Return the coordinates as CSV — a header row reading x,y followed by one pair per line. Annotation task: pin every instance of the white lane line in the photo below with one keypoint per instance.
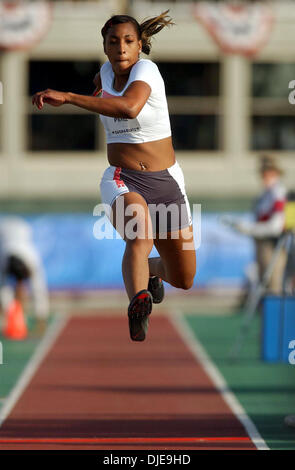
x,y
42,349
201,355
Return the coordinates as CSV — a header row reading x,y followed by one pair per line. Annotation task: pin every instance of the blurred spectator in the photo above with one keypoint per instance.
x,y
290,267
20,264
269,223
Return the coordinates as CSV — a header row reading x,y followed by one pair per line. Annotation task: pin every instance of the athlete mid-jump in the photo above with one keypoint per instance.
x,y
143,172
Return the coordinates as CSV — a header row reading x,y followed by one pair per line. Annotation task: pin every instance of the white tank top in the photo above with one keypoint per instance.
x,y
152,123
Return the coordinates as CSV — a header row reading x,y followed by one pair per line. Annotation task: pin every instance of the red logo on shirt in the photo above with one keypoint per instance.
x,y
117,179
105,94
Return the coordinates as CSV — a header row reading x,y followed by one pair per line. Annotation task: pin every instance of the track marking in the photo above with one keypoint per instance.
x,y
42,349
121,440
202,357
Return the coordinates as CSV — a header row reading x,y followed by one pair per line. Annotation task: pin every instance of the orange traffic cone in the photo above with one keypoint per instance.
x,y
15,325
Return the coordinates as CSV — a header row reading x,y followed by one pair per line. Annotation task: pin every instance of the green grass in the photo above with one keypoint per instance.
x,y
266,391
16,355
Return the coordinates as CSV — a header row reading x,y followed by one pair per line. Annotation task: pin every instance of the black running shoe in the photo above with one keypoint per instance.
x,y
139,310
156,288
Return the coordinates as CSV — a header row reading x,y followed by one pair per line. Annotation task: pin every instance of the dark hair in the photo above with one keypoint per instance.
x,y
16,267
145,30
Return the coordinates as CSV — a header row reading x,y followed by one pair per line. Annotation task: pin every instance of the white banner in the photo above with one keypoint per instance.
x,y
236,28
23,23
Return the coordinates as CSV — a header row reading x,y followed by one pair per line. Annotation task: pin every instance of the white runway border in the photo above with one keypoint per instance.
x,y
41,351
200,354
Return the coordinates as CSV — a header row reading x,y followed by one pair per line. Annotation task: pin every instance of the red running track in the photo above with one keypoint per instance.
x,y
98,390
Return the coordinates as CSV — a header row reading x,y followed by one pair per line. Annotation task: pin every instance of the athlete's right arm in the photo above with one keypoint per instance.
x,y
127,106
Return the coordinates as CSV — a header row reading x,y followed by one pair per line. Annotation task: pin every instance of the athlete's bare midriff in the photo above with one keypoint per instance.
x,y
148,156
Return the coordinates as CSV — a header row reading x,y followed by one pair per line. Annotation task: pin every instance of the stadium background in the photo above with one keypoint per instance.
x,y
226,110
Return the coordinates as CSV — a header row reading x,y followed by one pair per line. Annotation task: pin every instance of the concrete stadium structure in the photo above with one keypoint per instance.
x,y
228,170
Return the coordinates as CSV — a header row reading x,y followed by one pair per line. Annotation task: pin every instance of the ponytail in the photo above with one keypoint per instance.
x,y
153,26
145,30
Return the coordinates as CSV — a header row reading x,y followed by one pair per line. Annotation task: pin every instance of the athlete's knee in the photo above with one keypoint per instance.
x,y
184,282
184,279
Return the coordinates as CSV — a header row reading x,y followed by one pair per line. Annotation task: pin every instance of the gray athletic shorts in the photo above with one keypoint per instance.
x,y
163,191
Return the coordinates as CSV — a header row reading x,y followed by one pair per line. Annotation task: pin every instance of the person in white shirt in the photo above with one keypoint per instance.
x,y
21,265
143,172
269,215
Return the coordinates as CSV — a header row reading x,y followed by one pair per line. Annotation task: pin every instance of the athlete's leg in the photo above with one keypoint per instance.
x,y
135,266
177,261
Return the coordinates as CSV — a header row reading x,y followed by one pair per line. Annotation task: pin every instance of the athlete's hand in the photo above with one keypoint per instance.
x,y
52,97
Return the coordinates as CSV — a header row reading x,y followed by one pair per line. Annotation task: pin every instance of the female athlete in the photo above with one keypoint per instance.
x,y
143,177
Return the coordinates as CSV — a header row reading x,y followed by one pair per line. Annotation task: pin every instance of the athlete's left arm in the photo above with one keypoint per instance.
x,y
127,106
